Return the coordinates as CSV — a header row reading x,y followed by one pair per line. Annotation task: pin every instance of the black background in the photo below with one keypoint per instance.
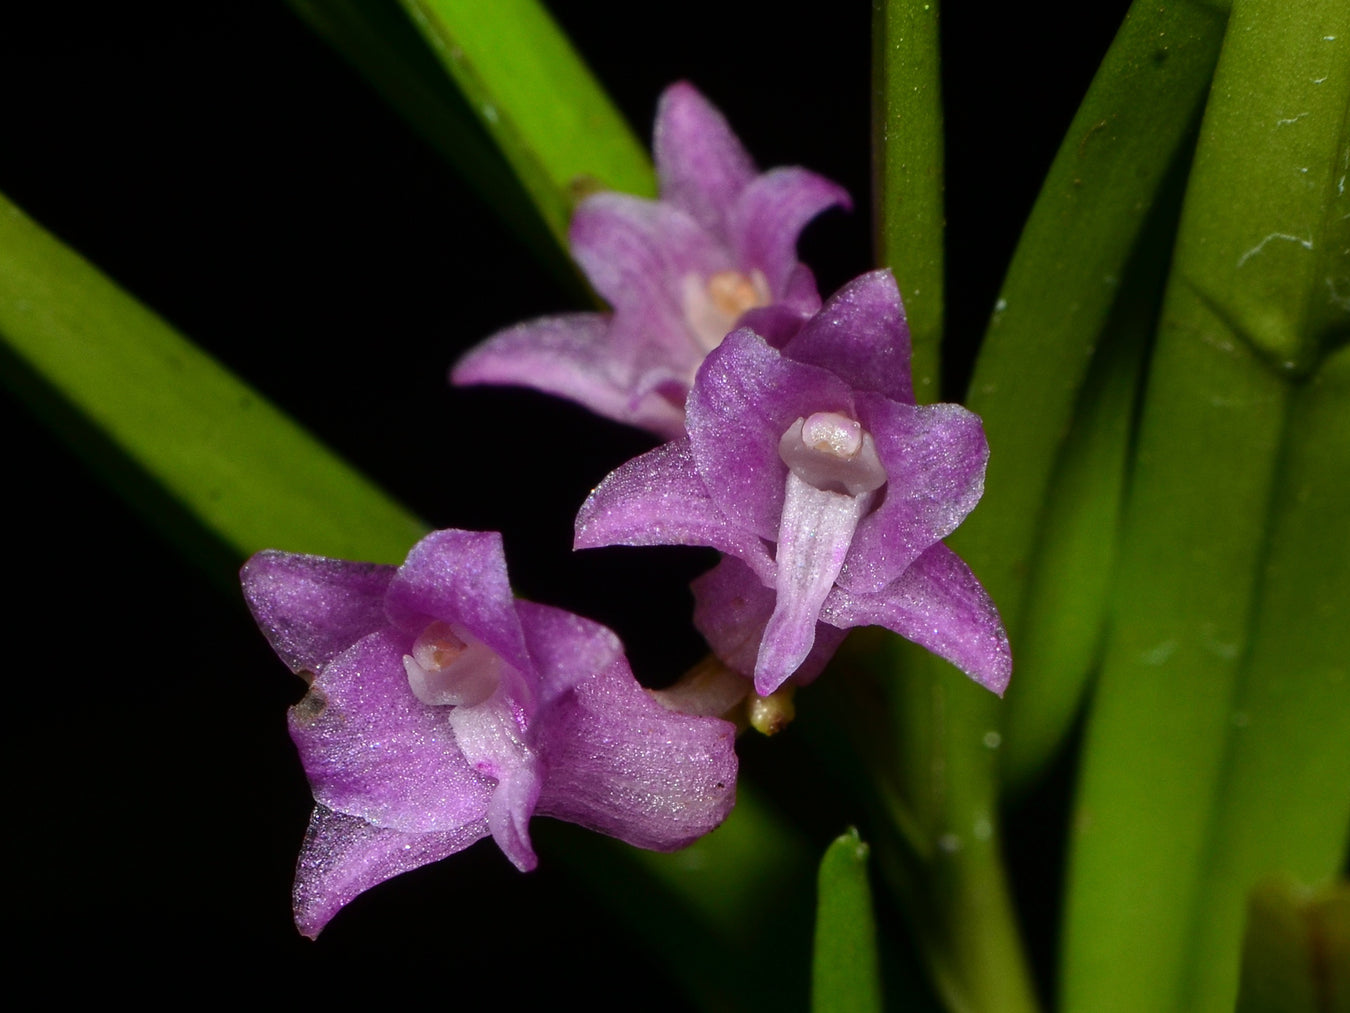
x,y
228,169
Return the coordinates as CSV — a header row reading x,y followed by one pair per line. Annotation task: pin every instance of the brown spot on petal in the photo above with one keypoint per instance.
x,y
310,708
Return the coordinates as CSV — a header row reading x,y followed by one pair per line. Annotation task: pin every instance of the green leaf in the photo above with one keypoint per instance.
x,y
907,166
191,441
1135,122
845,976
1219,745
538,101
1296,949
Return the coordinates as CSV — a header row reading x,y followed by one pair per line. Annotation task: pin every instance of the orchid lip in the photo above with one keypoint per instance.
x,y
449,666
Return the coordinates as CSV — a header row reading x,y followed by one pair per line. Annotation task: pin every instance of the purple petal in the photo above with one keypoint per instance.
x,y
934,456
621,764
460,577
636,252
701,166
566,648
813,540
861,334
492,737
373,750
732,607
746,396
938,604
770,215
344,856
311,608
571,356
659,499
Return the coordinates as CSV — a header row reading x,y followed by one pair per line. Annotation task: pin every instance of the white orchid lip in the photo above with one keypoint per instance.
x,y
450,667
712,305
833,453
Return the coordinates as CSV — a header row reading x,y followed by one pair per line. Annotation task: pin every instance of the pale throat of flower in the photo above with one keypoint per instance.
x,y
833,475
713,304
450,667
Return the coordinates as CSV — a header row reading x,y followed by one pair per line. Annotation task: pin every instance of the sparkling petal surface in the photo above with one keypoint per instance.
x,y
813,539
621,764
373,750
344,856
635,252
700,164
770,215
746,397
935,455
861,334
570,356
460,577
660,499
311,608
732,607
940,605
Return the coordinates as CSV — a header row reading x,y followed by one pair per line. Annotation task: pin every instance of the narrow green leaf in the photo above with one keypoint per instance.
x,y
250,477
530,89
1217,750
1135,122
1296,949
845,976
907,166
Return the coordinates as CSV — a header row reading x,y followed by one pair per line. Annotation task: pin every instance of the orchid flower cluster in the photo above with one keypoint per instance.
x,y
442,710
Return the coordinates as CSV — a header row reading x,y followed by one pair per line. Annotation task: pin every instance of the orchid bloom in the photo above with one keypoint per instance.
x,y
829,491
718,249
443,710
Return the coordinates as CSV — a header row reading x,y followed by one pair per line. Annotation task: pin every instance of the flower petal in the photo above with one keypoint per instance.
x,y
862,335
571,356
659,499
635,253
770,215
373,750
310,607
492,737
813,540
940,605
566,648
344,856
621,764
731,609
934,456
460,577
746,397
701,165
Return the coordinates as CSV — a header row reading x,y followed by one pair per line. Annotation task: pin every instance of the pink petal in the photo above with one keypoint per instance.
x,y
310,607
374,751
938,604
770,215
659,499
861,334
571,356
621,764
701,165
344,856
934,456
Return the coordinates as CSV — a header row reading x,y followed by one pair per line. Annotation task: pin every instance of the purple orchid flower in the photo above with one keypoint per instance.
x,y
828,489
443,710
717,250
